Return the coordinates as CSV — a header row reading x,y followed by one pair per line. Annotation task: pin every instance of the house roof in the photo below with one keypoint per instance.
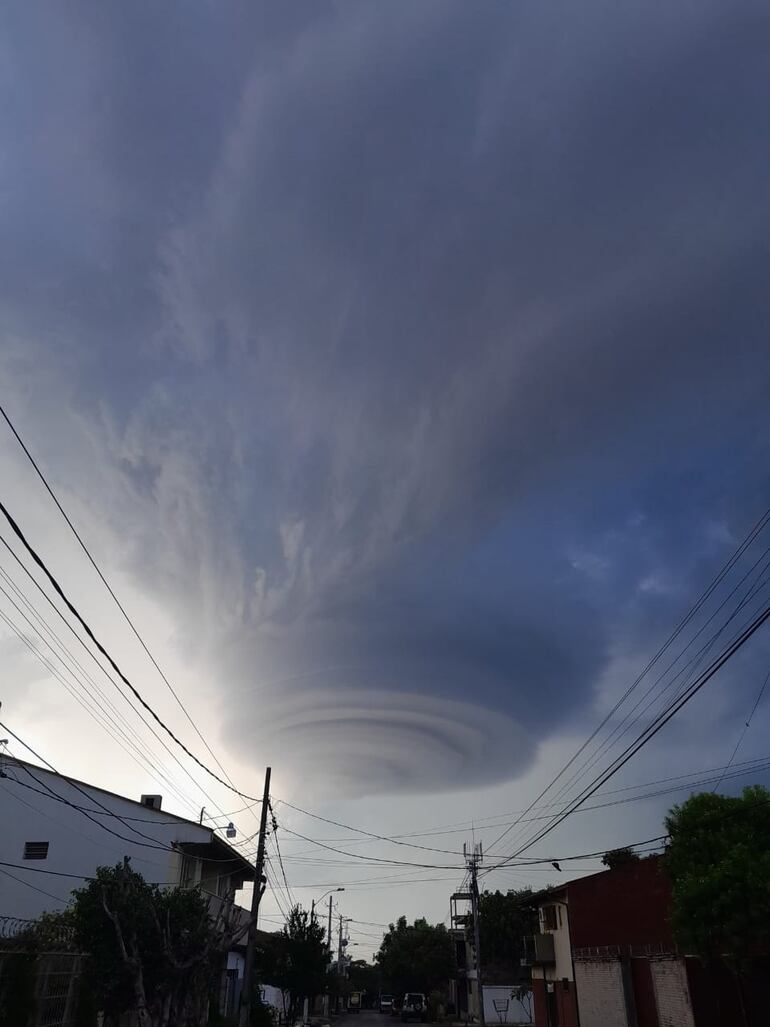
x,y
215,848
561,891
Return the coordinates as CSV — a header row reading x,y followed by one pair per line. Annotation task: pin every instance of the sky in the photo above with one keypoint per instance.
x,y
404,368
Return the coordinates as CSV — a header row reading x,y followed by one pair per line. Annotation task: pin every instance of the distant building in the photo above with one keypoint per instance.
x,y
500,1004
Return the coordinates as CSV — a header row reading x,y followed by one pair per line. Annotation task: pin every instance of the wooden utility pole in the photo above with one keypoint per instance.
x,y
251,944
473,865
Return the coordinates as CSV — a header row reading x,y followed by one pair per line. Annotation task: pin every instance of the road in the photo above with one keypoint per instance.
x,y
367,1018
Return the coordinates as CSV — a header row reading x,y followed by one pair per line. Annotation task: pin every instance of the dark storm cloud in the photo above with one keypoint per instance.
x,y
395,318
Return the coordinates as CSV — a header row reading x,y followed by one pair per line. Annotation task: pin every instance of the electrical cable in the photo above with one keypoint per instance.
x,y
99,714
369,834
656,726
278,850
74,784
696,661
702,599
744,730
692,666
137,695
34,887
106,584
623,727
110,678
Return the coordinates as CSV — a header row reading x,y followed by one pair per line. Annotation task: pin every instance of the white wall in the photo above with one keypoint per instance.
x,y
672,992
517,1012
76,844
600,993
561,944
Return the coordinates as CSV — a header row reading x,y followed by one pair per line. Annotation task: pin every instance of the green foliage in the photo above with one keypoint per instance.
x,y
261,1014
619,857
523,993
416,958
298,960
718,860
364,977
168,936
17,988
504,920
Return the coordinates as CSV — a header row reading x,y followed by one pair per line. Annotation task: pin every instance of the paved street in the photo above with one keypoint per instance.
x,y
367,1018
370,1019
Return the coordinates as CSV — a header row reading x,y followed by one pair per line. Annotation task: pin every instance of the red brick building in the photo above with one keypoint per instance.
x,y
605,957
610,960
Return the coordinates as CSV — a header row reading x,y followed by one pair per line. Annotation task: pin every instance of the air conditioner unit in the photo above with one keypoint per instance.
x,y
152,801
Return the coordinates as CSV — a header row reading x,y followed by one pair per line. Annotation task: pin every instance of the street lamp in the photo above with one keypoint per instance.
x,y
312,907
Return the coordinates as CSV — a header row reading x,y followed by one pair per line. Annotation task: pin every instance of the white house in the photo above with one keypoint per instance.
x,y
53,826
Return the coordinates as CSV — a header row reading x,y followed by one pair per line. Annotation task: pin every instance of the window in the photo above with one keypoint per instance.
x,y
35,850
549,918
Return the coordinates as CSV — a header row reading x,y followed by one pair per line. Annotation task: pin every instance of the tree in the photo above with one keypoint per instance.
x,y
504,920
298,961
718,860
152,952
619,857
417,957
365,978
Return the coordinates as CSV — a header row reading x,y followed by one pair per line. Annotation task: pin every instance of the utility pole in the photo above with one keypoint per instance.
x,y
251,944
327,1000
473,861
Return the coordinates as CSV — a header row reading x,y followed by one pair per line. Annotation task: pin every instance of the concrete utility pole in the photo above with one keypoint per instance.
x,y
251,944
329,929
473,861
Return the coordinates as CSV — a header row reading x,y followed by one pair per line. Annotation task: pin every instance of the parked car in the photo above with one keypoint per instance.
x,y
414,1007
386,1003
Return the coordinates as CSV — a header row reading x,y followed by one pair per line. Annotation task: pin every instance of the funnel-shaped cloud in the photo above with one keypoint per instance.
x,y
413,356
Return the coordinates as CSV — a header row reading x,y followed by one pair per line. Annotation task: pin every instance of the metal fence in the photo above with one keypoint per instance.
x,y
39,983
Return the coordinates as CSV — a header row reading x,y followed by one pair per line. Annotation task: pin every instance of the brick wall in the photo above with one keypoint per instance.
x,y
600,992
626,906
672,995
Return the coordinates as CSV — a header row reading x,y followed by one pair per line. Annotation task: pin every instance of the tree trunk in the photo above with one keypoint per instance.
x,y
741,997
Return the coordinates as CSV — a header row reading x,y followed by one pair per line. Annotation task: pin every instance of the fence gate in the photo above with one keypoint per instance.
x,y
41,988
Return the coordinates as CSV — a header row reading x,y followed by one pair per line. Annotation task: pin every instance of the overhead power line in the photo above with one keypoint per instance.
x,y
28,884
109,588
369,834
648,700
657,725
135,692
56,797
746,727
280,857
156,769
99,707
755,531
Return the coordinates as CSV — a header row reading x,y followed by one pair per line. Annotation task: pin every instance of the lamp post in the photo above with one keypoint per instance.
x,y
330,892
